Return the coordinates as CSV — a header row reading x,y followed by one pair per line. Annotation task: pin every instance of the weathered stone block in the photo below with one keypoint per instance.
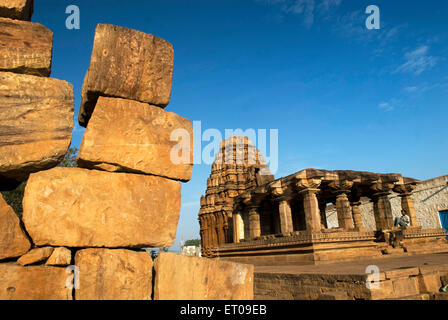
x,y
127,64
130,136
113,275
402,273
36,122
13,241
60,257
429,283
75,207
405,287
17,9
25,47
180,277
36,255
33,283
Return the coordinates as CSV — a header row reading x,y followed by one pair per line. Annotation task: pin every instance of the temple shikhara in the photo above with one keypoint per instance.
x,y
310,217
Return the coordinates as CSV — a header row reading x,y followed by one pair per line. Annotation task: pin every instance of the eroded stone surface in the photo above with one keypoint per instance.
x,y
60,257
120,274
33,283
25,47
130,136
13,241
180,277
128,64
36,255
36,122
17,9
75,207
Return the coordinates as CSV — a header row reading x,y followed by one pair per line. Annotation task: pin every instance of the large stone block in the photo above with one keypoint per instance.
x,y
180,277
25,47
33,283
106,274
36,122
17,9
130,136
128,64
73,207
13,241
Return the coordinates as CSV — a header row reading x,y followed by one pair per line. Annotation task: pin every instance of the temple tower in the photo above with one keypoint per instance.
x,y
238,167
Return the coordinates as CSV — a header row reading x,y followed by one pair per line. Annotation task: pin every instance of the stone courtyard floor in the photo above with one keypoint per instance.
x,y
359,266
412,277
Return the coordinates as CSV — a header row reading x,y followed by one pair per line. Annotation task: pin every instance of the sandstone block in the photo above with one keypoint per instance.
x,y
60,257
429,283
36,255
25,47
128,64
405,287
130,136
13,241
73,207
33,283
402,273
17,9
180,277
36,122
106,274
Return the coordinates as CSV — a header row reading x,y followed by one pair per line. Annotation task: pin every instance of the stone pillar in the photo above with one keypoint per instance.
x,y
344,211
323,214
382,210
213,234
408,204
342,187
220,229
357,218
238,227
311,208
254,222
209,234
285,217
308,189
203,224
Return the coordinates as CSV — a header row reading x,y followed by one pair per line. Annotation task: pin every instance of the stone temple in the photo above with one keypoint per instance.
x,y
249,217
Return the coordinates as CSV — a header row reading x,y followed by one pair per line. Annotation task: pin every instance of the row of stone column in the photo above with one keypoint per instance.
x,y
348,212
214,229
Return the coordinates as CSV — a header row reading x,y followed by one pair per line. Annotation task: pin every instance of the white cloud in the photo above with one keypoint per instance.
x,y
411,89
417,61
386,106
307,9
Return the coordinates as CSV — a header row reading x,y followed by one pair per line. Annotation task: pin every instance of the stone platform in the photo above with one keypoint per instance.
x,y
333,246
416,277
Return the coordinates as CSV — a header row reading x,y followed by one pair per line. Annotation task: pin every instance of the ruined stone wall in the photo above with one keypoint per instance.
x,y
125,192
430,197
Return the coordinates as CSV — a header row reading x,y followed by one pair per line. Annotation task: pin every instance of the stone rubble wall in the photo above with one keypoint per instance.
x,y
83,229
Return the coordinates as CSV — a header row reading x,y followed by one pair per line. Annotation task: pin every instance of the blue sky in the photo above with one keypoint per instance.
x,y
340,95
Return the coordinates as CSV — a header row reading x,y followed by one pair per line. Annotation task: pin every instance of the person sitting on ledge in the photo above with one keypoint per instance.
x,y
403,221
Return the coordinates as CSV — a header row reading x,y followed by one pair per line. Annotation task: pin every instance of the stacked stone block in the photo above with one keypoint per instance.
x,y
36,112
36,122
123,197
